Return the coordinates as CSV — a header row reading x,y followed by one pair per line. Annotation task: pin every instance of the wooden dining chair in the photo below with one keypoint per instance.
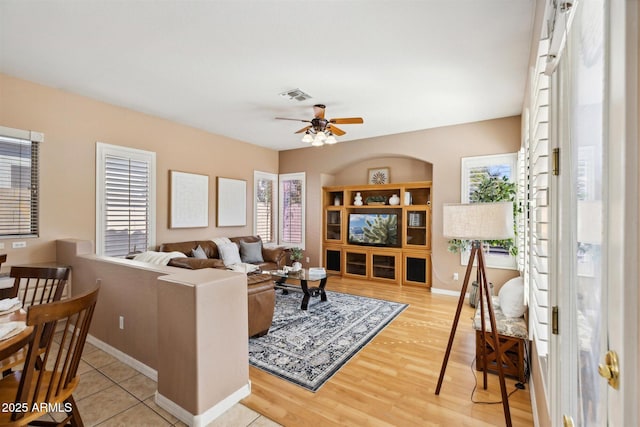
x,y
37,391
33,285
37,285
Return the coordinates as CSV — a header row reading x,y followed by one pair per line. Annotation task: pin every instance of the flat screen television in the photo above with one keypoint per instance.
x,y
373,229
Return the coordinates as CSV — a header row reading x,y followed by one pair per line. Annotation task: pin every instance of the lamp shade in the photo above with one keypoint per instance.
x,y
478,221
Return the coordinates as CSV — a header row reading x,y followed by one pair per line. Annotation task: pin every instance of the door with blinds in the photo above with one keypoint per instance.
x,y
292,209
595,383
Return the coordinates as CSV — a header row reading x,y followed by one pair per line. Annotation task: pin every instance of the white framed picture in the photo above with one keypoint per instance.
x,y
189,200
378,176
232,202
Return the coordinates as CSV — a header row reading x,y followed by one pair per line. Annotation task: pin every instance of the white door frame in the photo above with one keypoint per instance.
x,y
622,223
621,231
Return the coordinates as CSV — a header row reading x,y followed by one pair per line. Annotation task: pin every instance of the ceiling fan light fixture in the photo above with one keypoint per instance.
x,y
321,136
331,139
318,141
307,137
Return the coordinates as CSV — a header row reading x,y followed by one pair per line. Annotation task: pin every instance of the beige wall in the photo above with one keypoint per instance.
x,y
442,148
73,124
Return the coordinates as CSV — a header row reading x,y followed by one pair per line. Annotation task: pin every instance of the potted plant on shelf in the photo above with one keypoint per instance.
x,y
296,257
491,189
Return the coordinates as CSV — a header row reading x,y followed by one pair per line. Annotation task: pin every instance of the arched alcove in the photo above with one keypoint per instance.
x,y
402,169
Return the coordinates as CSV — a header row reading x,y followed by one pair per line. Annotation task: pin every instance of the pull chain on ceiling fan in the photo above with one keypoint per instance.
x,y
322,131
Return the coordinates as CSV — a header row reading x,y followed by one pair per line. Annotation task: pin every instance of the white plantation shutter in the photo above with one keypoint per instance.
x,y
126,212
19,184
537,274
265,203
292,206
523,234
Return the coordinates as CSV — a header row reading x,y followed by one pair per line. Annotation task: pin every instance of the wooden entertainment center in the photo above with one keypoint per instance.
x,y
408,261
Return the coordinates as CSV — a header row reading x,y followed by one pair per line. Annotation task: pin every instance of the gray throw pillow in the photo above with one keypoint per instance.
x,y
251,252
199,253
229,254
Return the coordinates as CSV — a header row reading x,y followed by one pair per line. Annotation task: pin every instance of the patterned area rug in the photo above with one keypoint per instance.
x,y
308,347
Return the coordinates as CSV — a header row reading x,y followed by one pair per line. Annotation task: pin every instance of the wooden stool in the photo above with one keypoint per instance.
x,y
512,336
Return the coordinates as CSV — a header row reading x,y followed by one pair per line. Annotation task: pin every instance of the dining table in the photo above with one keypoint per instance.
x,y
10,348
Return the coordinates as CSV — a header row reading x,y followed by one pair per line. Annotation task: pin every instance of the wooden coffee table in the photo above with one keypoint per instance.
x,y
283,281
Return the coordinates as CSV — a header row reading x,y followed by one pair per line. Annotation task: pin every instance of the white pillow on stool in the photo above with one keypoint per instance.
x,y
511,298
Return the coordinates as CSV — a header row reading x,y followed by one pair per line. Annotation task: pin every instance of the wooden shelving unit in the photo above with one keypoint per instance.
x,y
407,263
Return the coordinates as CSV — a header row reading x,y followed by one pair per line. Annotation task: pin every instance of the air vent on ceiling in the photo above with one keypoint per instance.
x,y
296,94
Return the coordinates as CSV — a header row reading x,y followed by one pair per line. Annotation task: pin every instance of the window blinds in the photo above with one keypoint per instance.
x,y
292,211
126,215
264,209
19,187
538,202
292,202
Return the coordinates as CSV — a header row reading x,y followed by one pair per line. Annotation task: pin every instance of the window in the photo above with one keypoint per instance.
x,y
475,172
125,200
265,202
19,183
292,209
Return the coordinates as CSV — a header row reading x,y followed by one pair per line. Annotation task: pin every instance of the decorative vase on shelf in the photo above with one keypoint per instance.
x,y
394,200
357,200
296,266
336,201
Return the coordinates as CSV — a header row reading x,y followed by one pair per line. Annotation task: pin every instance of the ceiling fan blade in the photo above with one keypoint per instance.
x,y
295,120
304,129
336,130
318,111
348,121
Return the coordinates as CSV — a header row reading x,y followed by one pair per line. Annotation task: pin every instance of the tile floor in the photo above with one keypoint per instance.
x,y
111,393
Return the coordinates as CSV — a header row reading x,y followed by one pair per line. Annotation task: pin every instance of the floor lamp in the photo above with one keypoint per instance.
x,y
478,222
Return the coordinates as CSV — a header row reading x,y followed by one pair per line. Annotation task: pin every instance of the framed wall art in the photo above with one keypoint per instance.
x,y
232,202
378,176
189,200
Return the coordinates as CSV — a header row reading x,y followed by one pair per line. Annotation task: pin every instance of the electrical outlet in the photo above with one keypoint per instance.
x,y
121,322
455,276
1,245
18,245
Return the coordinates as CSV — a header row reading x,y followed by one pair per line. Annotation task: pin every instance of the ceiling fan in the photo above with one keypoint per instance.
x,y
323,129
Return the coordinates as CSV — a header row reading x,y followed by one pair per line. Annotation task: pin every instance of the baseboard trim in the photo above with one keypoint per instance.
x,y
124,358
447,292
210,414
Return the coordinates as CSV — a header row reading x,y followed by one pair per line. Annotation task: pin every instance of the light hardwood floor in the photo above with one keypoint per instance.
x,y
392,381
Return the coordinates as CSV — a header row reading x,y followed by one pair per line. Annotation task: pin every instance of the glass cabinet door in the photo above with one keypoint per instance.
x,y
356,263
385,266
333,225
417,228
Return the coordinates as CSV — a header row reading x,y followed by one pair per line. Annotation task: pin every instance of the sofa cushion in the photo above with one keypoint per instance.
x,y
199,253
209,247
251,252
196,263
229,253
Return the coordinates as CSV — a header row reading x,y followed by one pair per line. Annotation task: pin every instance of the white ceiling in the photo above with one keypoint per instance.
x,y
220,65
